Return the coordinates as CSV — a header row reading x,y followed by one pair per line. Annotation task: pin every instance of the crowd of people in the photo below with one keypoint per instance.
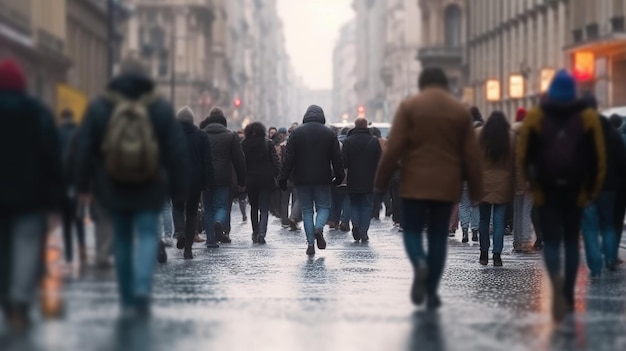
x,y
149,176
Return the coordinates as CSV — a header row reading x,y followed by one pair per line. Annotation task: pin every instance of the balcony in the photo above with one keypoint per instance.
x,y
440,55
17,14
49,41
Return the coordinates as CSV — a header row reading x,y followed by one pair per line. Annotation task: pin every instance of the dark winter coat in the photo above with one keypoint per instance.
x,y
615,156
68,140
172,146
310,151
31,178
361,154
227,153
200,175
262,162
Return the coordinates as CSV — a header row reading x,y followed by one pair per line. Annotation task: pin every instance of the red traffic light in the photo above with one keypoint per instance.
x,y
237,102
361,109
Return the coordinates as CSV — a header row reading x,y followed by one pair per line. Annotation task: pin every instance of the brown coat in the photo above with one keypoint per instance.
x,y
521,185
433,141
498,178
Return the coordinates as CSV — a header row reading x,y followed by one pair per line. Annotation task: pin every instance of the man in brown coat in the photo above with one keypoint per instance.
x,y
432,140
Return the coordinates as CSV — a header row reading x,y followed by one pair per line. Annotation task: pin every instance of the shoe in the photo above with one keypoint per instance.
x,y
187,254
162,255
508,230
332,224
538,245
168,242
180,243
497,260
219,232
344,227
612,266
262,240
198,239
418,289
285,225
255,238
319,237
484,258
433,302
365,238
293,225
244,219
212,246
559,307
475,235
451,233
465,236
310,250
356,234
225,239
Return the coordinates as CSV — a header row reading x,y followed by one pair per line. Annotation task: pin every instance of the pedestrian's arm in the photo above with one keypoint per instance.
x,y
174,152
288,159
396,147
337,161
275,162
239,161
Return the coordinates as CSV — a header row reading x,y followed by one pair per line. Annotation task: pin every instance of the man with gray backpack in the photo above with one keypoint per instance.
x,y
132,156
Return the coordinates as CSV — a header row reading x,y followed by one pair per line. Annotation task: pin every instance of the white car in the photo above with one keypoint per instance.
x,y
382,126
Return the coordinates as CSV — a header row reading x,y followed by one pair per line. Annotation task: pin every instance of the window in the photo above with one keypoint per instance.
x,y
452,22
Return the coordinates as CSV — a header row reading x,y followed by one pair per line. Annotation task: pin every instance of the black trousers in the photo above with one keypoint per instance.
x,y
71,219
619,214
185,216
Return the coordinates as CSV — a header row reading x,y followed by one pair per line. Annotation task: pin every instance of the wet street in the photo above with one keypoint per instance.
x,y
348,297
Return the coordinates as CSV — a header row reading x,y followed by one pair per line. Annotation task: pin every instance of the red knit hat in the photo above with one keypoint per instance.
x,y
12,76
520,115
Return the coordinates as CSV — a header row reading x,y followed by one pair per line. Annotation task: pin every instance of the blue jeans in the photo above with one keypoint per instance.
x,y
215,202
310,196
498,227
136,245
598,222
362,206
166,223
437,214
468,214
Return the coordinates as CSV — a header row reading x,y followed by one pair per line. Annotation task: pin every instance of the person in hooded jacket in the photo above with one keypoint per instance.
x,y
31,188
134,207
361,153
68,130
263,167
227,155
310,151
199,178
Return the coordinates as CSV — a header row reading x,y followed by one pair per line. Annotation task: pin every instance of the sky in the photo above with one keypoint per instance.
x,y
311,30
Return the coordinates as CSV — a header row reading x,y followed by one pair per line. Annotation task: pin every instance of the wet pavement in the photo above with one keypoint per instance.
x,y
348,297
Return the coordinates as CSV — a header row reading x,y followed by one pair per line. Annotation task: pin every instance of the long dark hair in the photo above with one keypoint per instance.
x,y
495,140
254,129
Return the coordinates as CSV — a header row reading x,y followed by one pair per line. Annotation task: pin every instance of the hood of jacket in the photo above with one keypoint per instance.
x,y
188,128
131,85
314,114
215,128
563,110
359,131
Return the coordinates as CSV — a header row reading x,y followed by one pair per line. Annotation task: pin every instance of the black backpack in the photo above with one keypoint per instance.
x,y
562,152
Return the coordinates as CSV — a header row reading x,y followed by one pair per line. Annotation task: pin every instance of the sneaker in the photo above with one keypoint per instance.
x,y
484,258
212,246
497,260
187,254
255,238
332,224
180,243
244,219
219,232
162,255
319,237
293,225
168,242
418,289
465,236
365,238
262,240
225,239
356,234
310,250
198,239
475,235
433,302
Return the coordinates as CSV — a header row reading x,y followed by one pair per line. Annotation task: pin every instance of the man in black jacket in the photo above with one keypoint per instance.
x,y
134,208
199,177
226,154
361,153
31,188
311,149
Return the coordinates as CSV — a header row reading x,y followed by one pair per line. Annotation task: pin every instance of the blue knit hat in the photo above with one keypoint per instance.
x,y
563,87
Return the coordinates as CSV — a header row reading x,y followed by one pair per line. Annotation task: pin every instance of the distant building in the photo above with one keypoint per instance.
x,y
344,75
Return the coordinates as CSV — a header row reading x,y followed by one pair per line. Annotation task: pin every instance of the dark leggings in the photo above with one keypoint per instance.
x,y
70,219
259,208
185,216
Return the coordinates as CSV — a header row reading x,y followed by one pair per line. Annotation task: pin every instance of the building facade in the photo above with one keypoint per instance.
x,y
596,48
345,103
443,37
401,67
371,38
514,47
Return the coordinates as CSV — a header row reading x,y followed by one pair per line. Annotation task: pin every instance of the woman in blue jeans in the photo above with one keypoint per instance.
x,y
496,145
262,166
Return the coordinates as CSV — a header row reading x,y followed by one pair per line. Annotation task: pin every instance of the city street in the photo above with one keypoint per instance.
x,y
350,296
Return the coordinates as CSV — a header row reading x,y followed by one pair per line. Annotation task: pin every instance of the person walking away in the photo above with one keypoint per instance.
x,y
130,144
386,198
522,202
32,189
263,170
469,215
242,198
496,144
432,140
290,215
227,155
361,154
598,217
310,151
68,130
620,193
562,154
199,178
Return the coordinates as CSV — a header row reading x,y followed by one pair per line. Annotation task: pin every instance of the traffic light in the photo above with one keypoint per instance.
x,y
361,110
237,102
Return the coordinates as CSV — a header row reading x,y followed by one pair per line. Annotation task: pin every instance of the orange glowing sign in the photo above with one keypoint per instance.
x,y
516,86
545,79
584,65
492,90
